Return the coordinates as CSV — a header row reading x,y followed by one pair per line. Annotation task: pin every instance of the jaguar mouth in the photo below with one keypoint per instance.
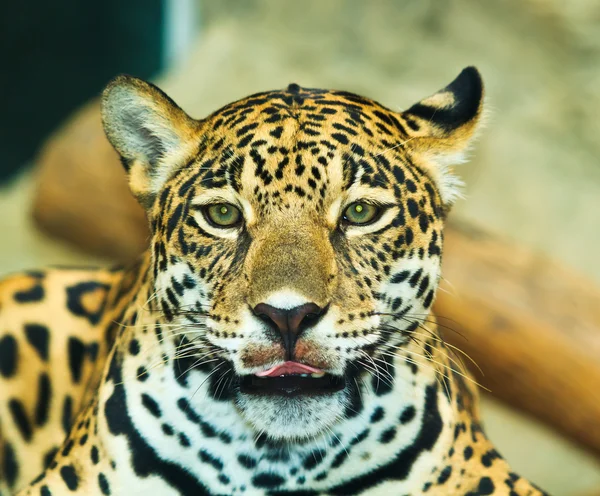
x,y
291,379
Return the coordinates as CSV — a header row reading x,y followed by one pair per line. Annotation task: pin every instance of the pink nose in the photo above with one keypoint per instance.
x,y
289,322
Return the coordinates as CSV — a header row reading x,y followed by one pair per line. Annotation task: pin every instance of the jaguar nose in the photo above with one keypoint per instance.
x,y
290,323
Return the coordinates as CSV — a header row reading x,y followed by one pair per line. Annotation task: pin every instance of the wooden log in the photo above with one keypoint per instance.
x,y
82,194
531,325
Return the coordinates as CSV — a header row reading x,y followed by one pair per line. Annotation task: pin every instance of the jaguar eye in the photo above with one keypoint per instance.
x,y
223,215
361,213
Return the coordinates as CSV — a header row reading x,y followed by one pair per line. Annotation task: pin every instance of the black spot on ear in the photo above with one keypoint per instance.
x,y
467,89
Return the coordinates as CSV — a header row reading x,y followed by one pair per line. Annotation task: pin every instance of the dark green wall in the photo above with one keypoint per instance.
x,y
58,54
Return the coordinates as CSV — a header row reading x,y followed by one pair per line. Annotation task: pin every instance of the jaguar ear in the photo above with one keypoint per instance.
x,y
442,126
150,132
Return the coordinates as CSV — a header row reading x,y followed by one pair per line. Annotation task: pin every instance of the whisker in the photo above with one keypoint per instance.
x,y
395,146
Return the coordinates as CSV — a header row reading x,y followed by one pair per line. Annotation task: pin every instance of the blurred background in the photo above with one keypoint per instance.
x,y
534,178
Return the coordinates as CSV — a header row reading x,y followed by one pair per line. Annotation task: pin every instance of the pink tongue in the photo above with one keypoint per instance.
x,y
288,368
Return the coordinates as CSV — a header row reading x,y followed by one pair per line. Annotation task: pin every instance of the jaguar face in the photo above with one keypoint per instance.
x,y
296,235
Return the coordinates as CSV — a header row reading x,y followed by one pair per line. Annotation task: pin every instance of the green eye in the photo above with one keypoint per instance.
x,y
223,215
361,213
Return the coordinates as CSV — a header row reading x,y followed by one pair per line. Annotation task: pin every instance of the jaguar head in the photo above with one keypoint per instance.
x,y
296,234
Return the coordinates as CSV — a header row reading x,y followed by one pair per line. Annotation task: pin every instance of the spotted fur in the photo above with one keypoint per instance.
x,y
127,381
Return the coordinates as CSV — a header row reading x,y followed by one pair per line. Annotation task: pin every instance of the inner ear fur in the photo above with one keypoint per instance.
x,y
150,132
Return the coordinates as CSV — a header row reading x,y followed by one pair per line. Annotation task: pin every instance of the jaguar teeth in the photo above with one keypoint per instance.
x,y
317,375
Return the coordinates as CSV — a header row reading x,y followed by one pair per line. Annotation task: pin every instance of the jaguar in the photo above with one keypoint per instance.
x,y
277,337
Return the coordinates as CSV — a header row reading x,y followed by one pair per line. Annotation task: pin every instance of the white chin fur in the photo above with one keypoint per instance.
x,y
295,418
